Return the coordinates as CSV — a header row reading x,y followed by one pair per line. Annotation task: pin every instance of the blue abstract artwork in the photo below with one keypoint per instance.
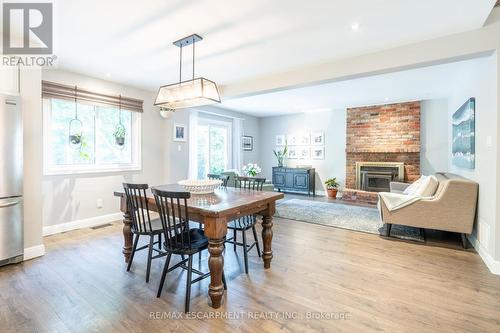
x,y
464,143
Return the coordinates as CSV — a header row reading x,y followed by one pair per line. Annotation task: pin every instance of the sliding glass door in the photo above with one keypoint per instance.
x,y
213,146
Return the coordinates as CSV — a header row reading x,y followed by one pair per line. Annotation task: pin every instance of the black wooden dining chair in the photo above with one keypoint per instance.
x,y
248,222
249,183
180,239
224,178
142,224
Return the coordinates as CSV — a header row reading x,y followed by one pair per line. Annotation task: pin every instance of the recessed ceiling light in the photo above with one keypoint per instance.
x,y
386,99
355,26
108,74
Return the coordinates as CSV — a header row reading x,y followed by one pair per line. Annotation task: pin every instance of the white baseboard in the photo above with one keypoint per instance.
x,y
492,264
34,252
79,224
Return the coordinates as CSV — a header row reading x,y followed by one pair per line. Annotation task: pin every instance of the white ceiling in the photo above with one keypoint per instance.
x,y
131,41
416,84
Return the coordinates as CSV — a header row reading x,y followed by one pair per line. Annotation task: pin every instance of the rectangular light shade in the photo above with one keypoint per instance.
x,y
197,92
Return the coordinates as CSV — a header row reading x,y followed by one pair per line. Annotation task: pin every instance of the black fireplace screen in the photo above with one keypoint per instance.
x,y
377,178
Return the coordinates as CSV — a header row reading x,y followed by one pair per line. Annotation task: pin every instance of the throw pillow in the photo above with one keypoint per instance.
x,y
428,187
412,189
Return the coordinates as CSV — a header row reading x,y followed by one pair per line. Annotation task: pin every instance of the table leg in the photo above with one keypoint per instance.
x,y
216,230
267,238
127,230
267,234
216,265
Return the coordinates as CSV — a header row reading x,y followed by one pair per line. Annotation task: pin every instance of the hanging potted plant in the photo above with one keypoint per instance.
x,y
75,126
332,187
75,139
280,155
119,135
120,131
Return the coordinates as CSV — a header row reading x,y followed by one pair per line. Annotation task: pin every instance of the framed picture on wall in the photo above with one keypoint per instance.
x,y
292,140
304,139
304,152
292,153
318,153
280,140
247,143
180,132
318,138
464,143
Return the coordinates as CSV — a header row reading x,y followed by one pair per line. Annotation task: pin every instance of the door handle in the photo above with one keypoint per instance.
x,y
9,203
10,102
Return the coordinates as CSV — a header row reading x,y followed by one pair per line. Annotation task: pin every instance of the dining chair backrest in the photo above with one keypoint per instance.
x,y
224,178
137,204
250,183
173,209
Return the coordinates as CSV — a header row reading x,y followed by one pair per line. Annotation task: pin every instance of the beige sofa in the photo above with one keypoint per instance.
x,y
452,208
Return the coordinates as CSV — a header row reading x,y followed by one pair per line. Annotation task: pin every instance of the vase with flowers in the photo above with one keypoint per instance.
x,y
251,169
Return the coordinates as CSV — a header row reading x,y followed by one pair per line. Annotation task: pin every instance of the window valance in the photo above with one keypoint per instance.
x,y
61,91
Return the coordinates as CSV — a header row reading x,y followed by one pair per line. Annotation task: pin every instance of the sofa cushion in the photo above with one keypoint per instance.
x,y
427,187
413,188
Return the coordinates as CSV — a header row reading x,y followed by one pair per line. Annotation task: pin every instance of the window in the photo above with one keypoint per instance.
x,y
213,146
97,149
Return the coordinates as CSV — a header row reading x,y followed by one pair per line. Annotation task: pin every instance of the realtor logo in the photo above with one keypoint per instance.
x,y
27,28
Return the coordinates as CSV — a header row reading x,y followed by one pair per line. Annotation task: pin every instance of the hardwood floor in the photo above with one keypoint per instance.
x,y
81,285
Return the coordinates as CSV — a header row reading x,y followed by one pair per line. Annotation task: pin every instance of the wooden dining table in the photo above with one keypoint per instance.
x,y
215,211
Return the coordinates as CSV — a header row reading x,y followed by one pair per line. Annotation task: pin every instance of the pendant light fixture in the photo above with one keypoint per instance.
x,y
184,94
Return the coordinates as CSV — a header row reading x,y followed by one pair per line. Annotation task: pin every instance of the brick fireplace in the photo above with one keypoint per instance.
x,y
383,133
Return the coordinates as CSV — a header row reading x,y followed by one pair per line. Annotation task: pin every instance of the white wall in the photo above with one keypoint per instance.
x,y
8,79
479,80
435,147
33,160
496,87
178,158
69,198
332,123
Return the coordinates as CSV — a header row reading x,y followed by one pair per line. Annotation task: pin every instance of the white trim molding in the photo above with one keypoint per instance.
x,y
79,224
34,252
492,264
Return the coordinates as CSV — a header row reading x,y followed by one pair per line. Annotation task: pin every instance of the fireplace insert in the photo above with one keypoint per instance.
x,y
377,176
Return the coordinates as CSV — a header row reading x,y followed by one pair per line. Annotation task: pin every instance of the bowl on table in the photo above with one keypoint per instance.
x,y
200,186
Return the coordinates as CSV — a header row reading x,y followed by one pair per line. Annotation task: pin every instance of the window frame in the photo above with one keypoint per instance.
x,y
210,122
50,169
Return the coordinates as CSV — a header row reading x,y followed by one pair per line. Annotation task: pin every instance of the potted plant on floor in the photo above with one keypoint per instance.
x,y
332,187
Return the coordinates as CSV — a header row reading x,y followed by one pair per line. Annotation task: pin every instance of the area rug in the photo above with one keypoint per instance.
x,y
344,216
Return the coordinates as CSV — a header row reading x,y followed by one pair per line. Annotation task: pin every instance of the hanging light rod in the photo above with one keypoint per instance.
x,y
184,94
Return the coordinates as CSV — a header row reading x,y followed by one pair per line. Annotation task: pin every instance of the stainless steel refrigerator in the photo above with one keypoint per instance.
x,y
11,180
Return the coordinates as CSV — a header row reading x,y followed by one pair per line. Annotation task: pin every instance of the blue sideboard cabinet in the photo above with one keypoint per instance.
x,y
298,180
